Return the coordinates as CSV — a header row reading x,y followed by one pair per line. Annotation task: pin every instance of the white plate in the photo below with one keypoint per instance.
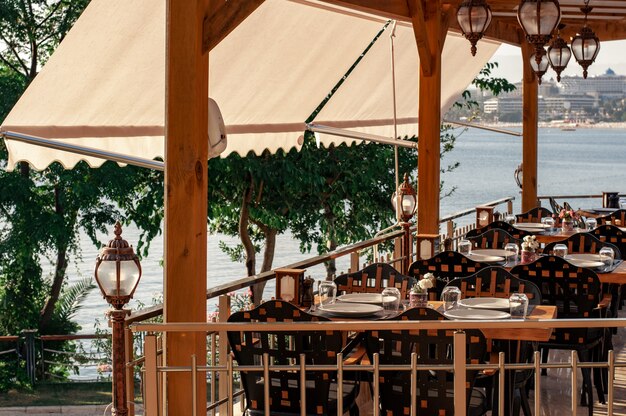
x,y
534,225
585,260
351,309
484,258
476,314
373,298
485,303
492,252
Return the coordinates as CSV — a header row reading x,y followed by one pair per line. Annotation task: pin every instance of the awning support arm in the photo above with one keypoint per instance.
x,y
318,128
86,151
481,127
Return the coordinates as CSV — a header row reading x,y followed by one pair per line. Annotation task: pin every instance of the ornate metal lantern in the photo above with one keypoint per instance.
x,y
117,270
585,45
539,68
559,55
474,17
406,197
539,18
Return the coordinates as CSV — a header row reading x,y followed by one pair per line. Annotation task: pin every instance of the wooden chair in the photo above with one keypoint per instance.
x,y
582,243
617,217
497,282
433,347
284,348
613,235
577,293
373,279
494,238
499,225
445,266
533,215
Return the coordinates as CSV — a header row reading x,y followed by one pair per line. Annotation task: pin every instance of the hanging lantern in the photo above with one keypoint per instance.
x,y
585,45
539,68
474,17
539,18
559,55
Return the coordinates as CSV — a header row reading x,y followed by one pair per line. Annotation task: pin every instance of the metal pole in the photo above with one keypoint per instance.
x,y
406,247
393,94
360,136
117,317
83,150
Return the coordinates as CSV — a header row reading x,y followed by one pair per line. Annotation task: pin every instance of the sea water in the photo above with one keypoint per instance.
x,y
585,161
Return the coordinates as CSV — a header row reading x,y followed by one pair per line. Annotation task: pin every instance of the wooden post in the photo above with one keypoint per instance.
x,y
186,155
129,371
530,112
429,15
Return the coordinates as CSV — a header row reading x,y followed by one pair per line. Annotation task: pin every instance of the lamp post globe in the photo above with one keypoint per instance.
x,y
406,197
117,270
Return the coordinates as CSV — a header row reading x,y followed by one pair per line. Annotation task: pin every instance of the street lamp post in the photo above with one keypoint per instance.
x,y
118,272
404,202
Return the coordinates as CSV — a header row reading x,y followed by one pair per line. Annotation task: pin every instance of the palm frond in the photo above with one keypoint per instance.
x,y
72,297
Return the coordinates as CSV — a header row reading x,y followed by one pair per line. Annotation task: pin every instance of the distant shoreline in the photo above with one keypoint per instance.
x,y
543,124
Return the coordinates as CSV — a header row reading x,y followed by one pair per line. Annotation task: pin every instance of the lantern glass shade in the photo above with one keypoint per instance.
x,y
539,17
474,17
585,48
108,278
559,55
540,67
404,200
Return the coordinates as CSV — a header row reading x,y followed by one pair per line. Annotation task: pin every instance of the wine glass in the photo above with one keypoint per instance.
x,y
560,250
465,247
450,296
327,293
391,300
549,221
518,304
591,224
512,251
606,256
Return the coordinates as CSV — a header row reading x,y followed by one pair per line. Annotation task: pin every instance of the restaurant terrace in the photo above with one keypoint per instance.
x,y
268,65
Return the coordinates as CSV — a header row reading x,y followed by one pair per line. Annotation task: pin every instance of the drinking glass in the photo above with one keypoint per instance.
x,y
606,256
512,250
391,300
518,304
465,247
327,293
509,219
560,250
549,221
450,296
591,224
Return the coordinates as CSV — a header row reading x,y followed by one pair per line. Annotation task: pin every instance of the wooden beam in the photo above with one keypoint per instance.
x,y
429,124
421,36
390,9
530,112
225,16
186,155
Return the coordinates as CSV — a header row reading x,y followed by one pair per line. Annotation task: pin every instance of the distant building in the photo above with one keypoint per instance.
x,y
609,85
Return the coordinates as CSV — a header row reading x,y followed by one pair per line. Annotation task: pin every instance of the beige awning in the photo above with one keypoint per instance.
x,y
104,87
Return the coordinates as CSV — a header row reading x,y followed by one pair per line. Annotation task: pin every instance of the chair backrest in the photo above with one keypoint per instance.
x,y
319,347
498,225
617,217
576,292
494,238
613,235
582,243
533,215
433,347
445,266
496,282
373,279
556,208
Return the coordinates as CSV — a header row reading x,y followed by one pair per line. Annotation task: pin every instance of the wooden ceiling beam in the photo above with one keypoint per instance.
x,y
223,18
391,9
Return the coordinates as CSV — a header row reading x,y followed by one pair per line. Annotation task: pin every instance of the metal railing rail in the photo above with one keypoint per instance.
x,y
458,367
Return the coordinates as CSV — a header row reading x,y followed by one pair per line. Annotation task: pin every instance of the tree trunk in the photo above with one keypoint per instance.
x,y
331,243
59,272
244,221
268,259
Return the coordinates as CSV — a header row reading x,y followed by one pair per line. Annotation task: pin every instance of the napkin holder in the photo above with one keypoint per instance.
x,y
289,285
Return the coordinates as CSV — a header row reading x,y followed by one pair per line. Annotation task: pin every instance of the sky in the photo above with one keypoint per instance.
x,y
612,55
